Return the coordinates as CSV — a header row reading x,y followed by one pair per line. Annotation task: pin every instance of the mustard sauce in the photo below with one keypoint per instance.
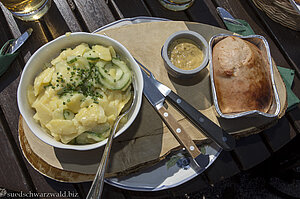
x,y
185,54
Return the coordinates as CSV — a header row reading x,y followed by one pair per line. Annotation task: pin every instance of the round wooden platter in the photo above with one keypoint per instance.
x,y
26,137
81,166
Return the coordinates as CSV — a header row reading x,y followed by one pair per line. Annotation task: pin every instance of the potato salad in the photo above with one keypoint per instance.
x,y
79,95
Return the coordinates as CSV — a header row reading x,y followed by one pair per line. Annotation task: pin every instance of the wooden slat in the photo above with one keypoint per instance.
x,y
278,135
223,167
204,12
14,70
11,22
68,15
51,186
55,23
294,114
157,10
10,167
136,8
9,106
5,35
287,40
296,86
93,17
294,118
250,151
13,28
11,74
10,109
95,13
284,161
36,40
55,29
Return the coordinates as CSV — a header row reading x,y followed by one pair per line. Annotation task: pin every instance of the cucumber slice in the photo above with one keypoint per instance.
x,y
90,137
105,76
114,84
126,86
72,141
114,71
81,139
120,64
112,52
119,74
101,63
117,85
68,115
102,129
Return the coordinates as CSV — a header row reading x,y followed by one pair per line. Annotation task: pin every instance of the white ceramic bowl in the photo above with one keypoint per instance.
x,y
51,50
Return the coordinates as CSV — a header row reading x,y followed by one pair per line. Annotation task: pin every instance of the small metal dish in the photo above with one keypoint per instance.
x,y
263,45
198,40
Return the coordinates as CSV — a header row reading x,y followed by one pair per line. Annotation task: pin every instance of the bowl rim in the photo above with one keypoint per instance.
x,y
181,34
49,139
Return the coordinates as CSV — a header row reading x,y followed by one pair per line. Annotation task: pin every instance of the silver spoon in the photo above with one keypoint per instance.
x,y
97,185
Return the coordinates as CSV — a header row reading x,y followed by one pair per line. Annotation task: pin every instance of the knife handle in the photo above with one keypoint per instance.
x,y
183,138
179,133
209,128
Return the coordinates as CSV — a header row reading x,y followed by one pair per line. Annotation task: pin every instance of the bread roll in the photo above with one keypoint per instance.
x,y
241,76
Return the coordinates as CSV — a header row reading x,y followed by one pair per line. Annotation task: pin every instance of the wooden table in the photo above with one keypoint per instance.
x,y
88,15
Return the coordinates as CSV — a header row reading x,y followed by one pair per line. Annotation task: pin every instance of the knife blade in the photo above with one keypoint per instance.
x,y
156,99
295,5
17,43
226,16
209,128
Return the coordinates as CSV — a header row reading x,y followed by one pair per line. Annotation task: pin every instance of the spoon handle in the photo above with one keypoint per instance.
x,y
97,185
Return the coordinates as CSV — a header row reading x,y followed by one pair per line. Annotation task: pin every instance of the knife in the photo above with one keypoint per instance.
x,y
226,16
156,99
295,5
162,92
17,43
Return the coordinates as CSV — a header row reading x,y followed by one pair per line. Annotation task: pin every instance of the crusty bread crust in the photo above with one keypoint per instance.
x,y
241,78
297,1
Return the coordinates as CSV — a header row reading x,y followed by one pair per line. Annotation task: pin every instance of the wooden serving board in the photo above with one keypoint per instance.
x,y
148,140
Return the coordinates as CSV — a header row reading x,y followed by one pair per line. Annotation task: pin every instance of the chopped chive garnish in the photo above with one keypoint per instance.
x,y
72,60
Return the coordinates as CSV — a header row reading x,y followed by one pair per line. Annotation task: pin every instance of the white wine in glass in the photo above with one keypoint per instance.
x,y
27,10
176,5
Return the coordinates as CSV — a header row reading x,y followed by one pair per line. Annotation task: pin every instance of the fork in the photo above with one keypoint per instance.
x,y
97,185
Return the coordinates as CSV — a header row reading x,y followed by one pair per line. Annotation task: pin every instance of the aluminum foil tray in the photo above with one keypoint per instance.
x,y
263,45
